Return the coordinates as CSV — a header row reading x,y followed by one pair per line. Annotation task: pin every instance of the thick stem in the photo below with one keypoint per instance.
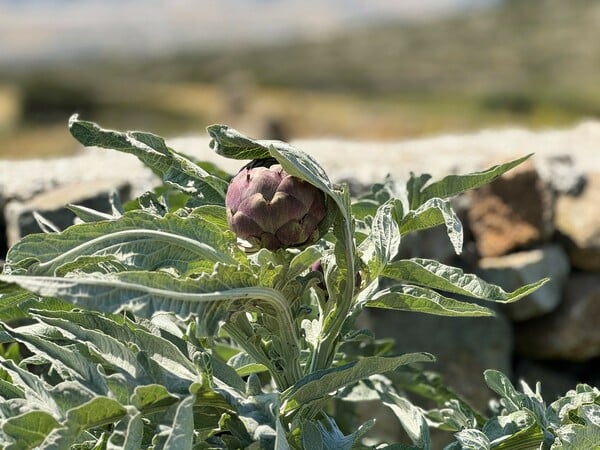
x,y
325,352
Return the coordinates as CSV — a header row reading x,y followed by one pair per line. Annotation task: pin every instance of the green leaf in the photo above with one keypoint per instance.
x,y
382,244
128,434
303,260
472,439
412,418
582,436
151,397
137,240
432,274
65,359
210,296
29,430
322,383
88,214
175,169
419,299
232,144
501,385
456,184
434,212
97,412
582,395
181,431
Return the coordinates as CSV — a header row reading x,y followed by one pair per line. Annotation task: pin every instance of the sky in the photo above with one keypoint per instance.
x,y
34,31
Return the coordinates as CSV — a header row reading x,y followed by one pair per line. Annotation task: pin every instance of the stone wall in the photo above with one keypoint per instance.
x,y
542,219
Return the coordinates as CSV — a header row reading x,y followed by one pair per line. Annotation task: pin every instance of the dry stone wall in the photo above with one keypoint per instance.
x,y
542,219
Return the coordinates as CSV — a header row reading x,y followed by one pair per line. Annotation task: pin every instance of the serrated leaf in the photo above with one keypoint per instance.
x,y
322,383
456,184
472,439
435,275
423,300
432,213
29,429
382,244
175,169
137,240
210,296
36,391
67,359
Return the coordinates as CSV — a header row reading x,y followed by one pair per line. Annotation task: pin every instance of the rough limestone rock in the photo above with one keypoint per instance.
x,y
512,212
578,220
464,347
517,269
571,331
20,219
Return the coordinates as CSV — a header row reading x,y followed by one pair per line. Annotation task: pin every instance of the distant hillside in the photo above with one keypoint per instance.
x,y
517,53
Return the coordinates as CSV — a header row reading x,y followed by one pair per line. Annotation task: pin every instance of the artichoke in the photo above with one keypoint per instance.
x,y
271,209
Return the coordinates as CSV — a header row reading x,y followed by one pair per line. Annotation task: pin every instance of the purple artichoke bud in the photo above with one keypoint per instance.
x,y
272,209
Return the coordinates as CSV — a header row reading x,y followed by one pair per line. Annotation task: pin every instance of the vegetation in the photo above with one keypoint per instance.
x,y
152,328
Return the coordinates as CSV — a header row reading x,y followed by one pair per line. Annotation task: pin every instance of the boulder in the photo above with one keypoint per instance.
x,y
578,221
517,269
19,215
569,332
512,212
464,347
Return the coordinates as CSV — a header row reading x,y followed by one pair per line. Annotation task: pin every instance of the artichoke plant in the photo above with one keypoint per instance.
x,y
271,209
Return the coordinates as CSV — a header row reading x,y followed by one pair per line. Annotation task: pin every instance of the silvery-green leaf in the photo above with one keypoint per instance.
x,y
175,169
128,434
501,385
456,184
210,296
434,212
65,359
36,391
381,245
179,434
29,429
303,260
281,442
138,240
472,439
88,214
411,418
583,394
420,299
97,412
231,143
432,274
322,383
45,224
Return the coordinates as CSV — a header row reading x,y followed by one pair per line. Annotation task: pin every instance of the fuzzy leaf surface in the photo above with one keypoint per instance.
x,y
435,275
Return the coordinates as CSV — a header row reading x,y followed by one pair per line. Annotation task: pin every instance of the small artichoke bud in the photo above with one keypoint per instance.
x,y
272,209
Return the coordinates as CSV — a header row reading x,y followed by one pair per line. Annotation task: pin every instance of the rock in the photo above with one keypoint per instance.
x,y
570,332
464,347
512,212
20,220
554,379
561,173
578,221
517,269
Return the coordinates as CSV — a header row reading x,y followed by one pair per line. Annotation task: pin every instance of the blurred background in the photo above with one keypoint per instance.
x,y
376,70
